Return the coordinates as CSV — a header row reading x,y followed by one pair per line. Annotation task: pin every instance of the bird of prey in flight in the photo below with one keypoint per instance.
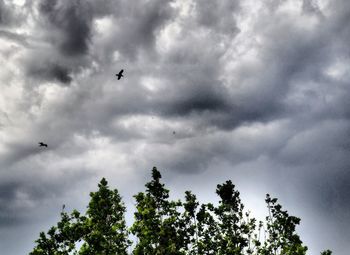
x,y
41,144
120,74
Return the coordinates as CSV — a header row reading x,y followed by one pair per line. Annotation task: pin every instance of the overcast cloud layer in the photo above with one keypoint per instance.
x,y
253,91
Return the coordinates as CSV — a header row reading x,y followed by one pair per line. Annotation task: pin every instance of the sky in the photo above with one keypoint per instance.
x,y
256,91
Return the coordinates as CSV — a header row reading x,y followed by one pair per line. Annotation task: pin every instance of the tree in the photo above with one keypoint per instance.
x,y
102,230
187,224
61,239
234,231
281,230
106,231
156,220
167,227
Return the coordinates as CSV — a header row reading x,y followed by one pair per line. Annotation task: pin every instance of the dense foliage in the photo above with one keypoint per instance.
x,y
166,227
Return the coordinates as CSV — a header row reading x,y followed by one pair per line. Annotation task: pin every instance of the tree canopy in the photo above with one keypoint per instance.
x,y
172,227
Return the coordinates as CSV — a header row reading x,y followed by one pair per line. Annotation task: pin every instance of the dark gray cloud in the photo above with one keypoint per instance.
x,y
52,71
14,37
1,11
67,29
19,199
218,16
311,7
10,14
135,26
255,91
14,200
72,20
5,14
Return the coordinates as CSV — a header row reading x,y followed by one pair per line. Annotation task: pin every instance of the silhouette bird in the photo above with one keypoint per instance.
x,y
174,132
41,144
120,74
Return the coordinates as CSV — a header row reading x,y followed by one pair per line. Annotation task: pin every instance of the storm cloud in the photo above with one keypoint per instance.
x,y
253,91
72,20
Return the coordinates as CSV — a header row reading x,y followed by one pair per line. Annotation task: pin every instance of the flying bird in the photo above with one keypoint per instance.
x,y
120,74
41,144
